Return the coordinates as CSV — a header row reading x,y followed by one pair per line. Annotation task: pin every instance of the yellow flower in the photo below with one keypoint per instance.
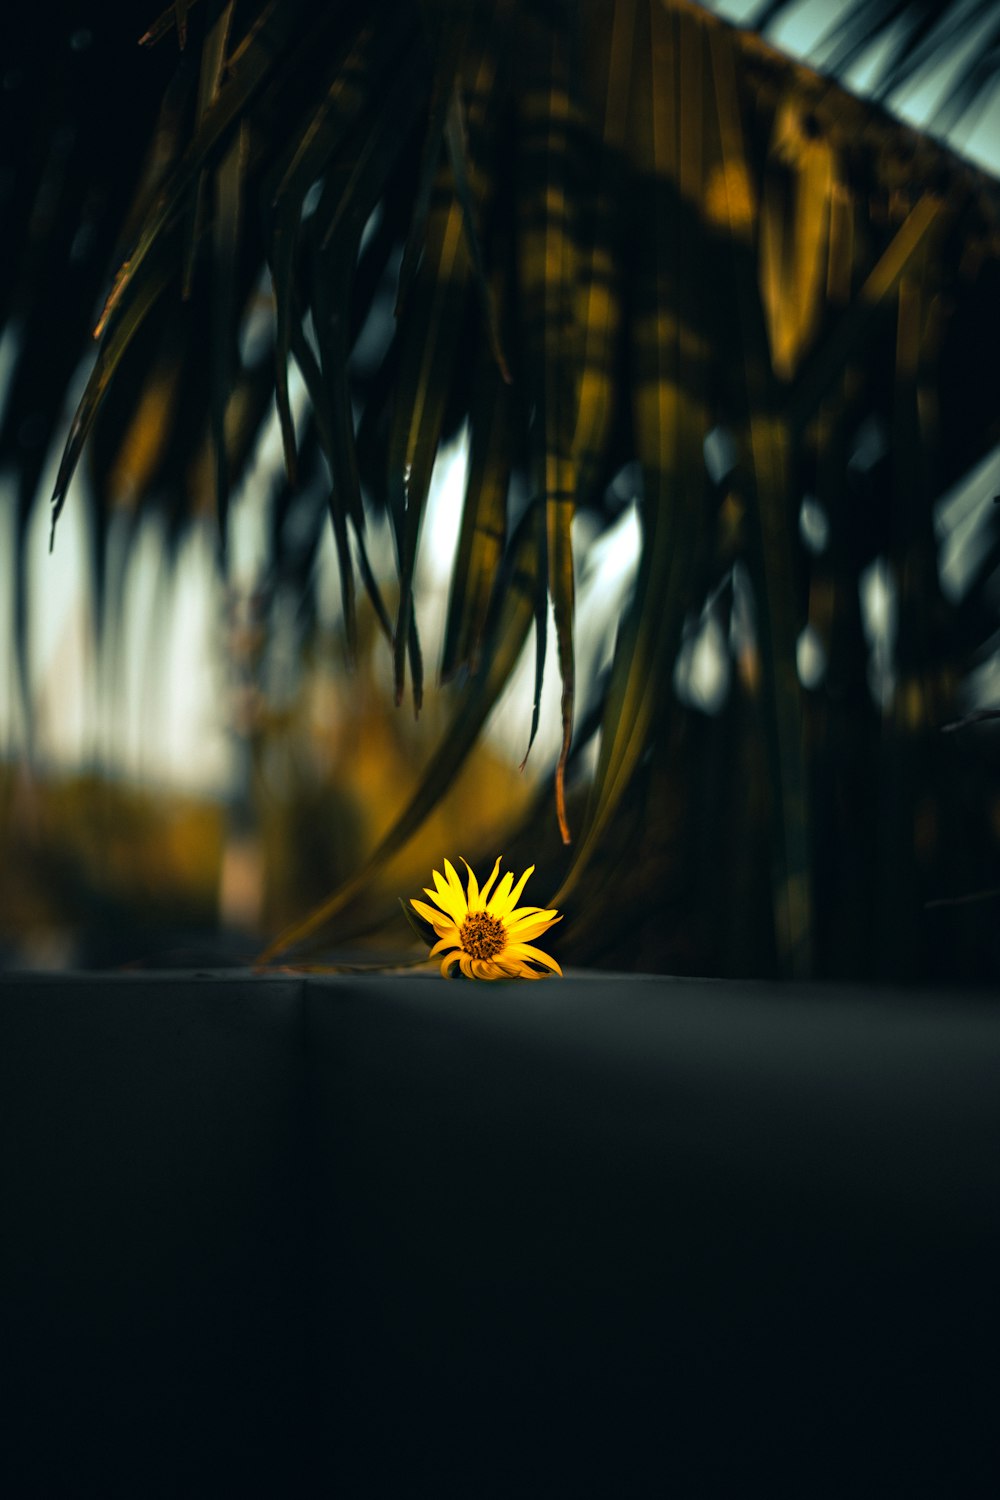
x,y
488,937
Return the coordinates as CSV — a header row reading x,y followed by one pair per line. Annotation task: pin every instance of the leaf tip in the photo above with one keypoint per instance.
x,y
565,834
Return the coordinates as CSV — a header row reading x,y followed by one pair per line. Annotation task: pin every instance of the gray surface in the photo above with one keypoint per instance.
x,y
151,1322
373,1235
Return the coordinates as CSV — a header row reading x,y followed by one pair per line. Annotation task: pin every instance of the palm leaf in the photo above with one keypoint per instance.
x,y
329,125
547,284
174,15
608,81
130,315
457,144
249,68
768,448
666,143
226,243
824,365
484,523
447,43
213,61
349,197
429,338
472,708
703,234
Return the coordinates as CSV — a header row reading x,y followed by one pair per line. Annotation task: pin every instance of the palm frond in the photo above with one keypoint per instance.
x,y
611,233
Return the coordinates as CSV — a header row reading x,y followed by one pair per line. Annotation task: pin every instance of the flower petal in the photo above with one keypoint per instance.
x,y
498,906
489,884
528,930
450,896
526,916
453,880
515,894
454,957
446,899
518,968
431,914
473,896
525,950
447,940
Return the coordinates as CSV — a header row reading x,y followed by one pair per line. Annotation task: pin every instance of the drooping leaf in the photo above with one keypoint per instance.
x,y
668,155
429,343
129,318
165,147
541,631
767,438
484,523
339,109
349,144
548,117
457,144
349,197
473,706
447,39
272,34
175,15
213,61
430,335
825,364
338,515
599,255
226,243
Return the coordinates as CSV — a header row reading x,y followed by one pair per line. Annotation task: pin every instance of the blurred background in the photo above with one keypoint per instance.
x,y
783,757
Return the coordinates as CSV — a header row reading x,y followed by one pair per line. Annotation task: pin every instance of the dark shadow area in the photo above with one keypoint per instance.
x,y
152,1189
386,1236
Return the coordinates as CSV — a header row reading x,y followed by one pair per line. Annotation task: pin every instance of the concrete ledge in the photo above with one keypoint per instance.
x,y
381,1236
152,1189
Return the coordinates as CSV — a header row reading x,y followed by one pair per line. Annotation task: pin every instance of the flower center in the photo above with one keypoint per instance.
x,y
482,935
